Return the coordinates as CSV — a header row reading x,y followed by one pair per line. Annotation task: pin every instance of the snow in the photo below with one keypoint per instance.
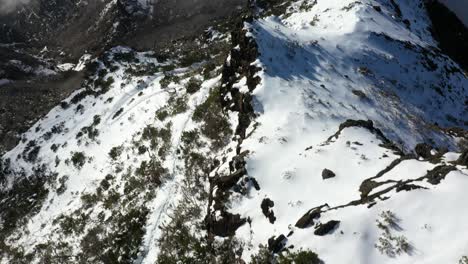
x,y
316,61
82,62
310,75
430,219
66,66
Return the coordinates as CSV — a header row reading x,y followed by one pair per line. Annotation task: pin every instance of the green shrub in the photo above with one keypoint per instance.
x,y
193,85
63,185
115,152
299,257
178,105
190,137
207,71
215,124
151,173
22,200
264,256
168,79
89,200
162,114
78,159
91,131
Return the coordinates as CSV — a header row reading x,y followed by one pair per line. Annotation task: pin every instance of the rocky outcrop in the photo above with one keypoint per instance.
x,y
427,152
436,175
243,53
276,244
237,67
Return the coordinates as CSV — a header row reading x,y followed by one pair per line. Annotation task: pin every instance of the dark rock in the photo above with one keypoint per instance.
x,y
359,94
328,174
238,162
453,42
377,8
324,229
255,183
463,159
408,187
308,219
266,206
357,123
240,64
423,150
275,245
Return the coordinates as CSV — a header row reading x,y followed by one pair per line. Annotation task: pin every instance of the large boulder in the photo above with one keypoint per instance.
x,y
328,174
327,228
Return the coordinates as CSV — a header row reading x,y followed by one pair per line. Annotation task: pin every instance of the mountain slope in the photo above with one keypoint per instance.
x,y
323,130
325,62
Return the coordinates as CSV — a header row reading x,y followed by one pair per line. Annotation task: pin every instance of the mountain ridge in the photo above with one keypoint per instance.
x,y
297,131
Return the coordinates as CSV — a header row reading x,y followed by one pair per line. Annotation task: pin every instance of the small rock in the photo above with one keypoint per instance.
x,y
359,94
328,174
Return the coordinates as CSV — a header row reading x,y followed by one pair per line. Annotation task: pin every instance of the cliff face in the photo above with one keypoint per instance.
x,y
458,7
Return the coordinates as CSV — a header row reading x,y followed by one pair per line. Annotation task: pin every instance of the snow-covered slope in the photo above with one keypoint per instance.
x,y
304,145
322,63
